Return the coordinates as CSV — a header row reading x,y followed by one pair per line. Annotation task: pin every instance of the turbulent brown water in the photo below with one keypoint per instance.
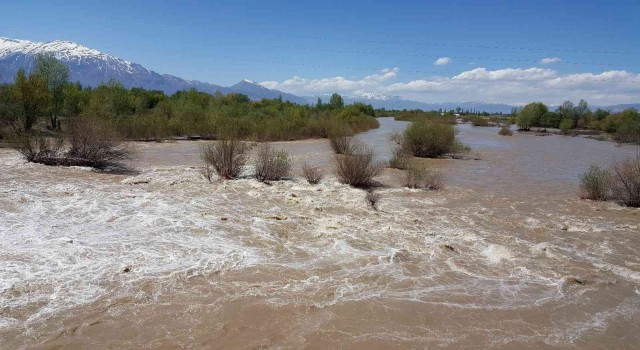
x,y
506,256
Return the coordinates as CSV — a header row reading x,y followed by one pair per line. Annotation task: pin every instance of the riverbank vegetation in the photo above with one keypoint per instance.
x,y
620,183
430,139
45,105
45,100
579,119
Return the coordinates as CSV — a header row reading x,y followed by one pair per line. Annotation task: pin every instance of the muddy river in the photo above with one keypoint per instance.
x,y
505,257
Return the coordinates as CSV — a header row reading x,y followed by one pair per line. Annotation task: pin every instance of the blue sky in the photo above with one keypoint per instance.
x,y
311,48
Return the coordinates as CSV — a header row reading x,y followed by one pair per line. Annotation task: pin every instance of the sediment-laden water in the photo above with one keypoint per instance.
x,y
506,256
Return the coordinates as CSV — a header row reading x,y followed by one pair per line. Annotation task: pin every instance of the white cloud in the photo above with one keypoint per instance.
x,y
442,61
550,60
506,74
333,84
508,85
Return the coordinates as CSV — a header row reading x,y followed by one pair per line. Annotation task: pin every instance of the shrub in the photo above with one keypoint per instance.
x,y
595,184
341,142
95,142
565,126
271,165
207,171
35,147
429,139
372,198
227,157
628,132
313,174
357,168
422,177
478,121
505,131
625,179
399,159
531,115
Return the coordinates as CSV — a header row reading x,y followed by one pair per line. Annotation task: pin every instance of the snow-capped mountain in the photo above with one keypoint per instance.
x,y
92,67
89,66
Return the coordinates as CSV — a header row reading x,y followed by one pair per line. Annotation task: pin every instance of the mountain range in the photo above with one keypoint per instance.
x,y
92,67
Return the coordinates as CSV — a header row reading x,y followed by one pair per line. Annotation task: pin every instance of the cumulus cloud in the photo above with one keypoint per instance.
x,y
442,61
508,85
550,60
339,84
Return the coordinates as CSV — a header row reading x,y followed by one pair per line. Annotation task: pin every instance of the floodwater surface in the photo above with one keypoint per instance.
x,y
506,256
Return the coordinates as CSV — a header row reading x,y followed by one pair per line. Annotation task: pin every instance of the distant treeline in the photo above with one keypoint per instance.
x,y
624,126
46,100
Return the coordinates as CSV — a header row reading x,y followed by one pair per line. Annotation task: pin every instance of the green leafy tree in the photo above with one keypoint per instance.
x,y
55,76
9,109
31,96
336,102
531,115
565,126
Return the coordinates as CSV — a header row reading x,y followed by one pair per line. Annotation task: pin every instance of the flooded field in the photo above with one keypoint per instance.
x,y
506,256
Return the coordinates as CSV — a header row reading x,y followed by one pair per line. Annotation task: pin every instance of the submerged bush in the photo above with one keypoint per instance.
x,y
357,168
91,142
423,178
399,159
625,180
95,141
505,131
429,139
341,143
478,121
35,147
271,165
313,174
372,198
227,157
595,184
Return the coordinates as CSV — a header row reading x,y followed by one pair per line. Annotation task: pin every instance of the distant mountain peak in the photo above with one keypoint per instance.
x,y
92,67
61,49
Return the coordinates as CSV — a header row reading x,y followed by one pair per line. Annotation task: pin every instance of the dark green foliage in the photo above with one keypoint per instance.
x,y
55,76
336,102
429,139
140,114
417,114
531,115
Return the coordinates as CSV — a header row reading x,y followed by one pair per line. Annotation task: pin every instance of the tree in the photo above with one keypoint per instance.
x,y
336,102
55,76
319,104
9,109
30,94
531,115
